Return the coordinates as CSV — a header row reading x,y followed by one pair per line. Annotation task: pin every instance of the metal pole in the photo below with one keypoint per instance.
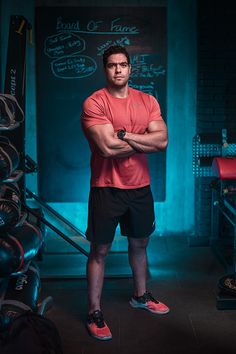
x,y
47,223
54,212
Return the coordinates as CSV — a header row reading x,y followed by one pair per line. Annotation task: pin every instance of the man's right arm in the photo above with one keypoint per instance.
x,y
108,145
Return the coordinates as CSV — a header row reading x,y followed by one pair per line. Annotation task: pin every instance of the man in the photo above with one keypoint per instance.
x,y
122,125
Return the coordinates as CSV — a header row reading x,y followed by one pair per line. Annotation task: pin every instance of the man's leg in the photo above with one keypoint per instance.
x,y
95,274
138,263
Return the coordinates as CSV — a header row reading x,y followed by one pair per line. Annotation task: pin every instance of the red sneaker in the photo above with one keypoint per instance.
x,y
97,327
149,303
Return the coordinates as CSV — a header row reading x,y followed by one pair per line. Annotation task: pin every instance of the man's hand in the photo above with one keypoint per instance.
x,y
155,139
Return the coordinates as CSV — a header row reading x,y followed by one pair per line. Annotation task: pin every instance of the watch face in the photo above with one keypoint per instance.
x,y
121,134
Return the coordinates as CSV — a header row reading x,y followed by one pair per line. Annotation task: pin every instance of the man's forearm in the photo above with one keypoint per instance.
x,y
141,148
147,143
117,148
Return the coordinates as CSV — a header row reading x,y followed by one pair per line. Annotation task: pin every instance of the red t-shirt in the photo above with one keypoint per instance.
x,y
133,113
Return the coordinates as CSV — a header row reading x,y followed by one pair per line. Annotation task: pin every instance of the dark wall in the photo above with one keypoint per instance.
x,y
216,95
216,89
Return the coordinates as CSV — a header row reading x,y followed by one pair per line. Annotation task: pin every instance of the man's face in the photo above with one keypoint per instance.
x,y
117,70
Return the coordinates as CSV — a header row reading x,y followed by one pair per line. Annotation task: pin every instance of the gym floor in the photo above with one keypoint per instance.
x,y
183,277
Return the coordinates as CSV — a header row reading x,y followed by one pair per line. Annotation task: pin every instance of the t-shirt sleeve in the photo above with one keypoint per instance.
x,y
93,113
155,111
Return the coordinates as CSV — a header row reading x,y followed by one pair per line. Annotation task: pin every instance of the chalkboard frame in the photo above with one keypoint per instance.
x,y
63,152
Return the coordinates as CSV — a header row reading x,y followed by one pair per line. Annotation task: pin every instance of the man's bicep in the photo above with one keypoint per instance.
x,y
101,134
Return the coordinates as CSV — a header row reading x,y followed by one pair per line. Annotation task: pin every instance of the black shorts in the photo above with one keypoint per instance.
x,y
132,208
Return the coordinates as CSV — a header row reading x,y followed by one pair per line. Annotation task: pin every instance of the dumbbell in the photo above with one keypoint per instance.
x,y
9,158
20,295
18,246
10,205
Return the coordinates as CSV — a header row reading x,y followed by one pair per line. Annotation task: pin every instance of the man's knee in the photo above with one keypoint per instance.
x,y
99,252
136,244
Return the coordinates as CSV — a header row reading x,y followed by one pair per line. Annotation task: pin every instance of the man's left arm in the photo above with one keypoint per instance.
x,y
155,139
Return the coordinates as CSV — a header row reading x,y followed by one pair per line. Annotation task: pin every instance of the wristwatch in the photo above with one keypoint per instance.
x,y
121,134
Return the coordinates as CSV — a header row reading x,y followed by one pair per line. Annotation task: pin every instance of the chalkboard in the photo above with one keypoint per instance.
x,y
69,45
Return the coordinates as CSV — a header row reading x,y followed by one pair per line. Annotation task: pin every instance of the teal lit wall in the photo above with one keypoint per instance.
x,y
176,214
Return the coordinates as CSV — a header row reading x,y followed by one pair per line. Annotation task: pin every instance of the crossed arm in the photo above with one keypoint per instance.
x,y
105,138
155,139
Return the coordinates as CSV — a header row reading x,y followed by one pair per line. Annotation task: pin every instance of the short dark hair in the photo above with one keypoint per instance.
x,y
115,49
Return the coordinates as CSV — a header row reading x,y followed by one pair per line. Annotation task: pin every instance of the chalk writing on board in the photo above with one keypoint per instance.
x,y
73,67
114,26
144,65
63,44
121,41
149,88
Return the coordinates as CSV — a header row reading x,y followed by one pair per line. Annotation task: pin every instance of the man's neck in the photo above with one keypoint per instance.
x,y
120,92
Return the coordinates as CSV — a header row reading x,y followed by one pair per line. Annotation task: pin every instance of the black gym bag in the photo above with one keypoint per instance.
x,y
31,333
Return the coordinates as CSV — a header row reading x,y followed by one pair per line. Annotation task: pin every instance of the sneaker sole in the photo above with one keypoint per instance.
x,y
101,338
147,309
